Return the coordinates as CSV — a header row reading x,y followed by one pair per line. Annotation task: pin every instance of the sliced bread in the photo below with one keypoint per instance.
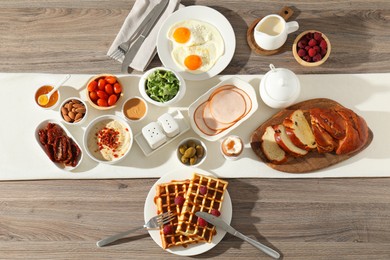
x,y
270,148
299,130
285,142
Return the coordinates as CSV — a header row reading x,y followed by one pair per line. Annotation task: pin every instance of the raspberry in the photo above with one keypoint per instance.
x,y
309,36
312,52
215,212
203,190
179,200
323,44
307,48
317,36
302,52
307,58
202,222
318,57
317,49
302,43
323,52
167,230
312,43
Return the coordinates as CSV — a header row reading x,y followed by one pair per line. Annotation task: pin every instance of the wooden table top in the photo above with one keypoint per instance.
x,y
301,218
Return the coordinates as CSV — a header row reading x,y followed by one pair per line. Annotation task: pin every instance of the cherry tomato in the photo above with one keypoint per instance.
x,y
110,79
102,102
109,89
101,84
101,94
117,88
93,95
92,86
112,100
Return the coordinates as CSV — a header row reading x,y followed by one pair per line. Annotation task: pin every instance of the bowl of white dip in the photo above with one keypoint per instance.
x,y
108,139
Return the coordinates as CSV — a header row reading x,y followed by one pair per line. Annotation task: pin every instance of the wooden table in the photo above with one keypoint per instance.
x,y
301,218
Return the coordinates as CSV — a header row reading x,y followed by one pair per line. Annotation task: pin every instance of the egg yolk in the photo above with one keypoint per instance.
x,y
193,62
182,35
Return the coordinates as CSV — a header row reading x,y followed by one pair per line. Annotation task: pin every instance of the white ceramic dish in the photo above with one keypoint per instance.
x,y
205,14
59,165
232,81
89,131
85,114
150,210
197,142
177,98
183,126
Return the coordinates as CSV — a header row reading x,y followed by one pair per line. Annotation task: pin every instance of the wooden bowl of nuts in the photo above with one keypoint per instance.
x,y
311,48
191,152
73,111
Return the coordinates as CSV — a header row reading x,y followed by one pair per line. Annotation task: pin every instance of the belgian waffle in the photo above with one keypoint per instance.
x,y
213,193
165,201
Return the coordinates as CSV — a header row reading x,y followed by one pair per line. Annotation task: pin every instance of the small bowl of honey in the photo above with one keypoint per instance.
x,y
53,100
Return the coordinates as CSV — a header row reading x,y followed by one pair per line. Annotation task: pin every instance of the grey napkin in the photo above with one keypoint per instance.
x,y
148,49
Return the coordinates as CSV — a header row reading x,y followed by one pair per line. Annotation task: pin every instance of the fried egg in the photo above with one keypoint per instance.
x,y
196,45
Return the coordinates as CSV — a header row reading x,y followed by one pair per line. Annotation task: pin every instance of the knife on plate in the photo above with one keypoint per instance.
x,y
150,20
218,222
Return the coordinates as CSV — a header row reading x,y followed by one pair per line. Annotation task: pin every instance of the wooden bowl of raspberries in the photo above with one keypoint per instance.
x,y
311,48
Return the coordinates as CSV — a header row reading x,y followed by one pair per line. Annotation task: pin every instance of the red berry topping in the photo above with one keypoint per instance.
x,y
202,222
179,200
215,212
312,43
302,43
312,52
203,190
318,57
323,44
167,230
317,36
302,52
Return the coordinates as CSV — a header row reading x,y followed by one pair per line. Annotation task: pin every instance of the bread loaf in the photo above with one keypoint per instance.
x,y
270,148
285,143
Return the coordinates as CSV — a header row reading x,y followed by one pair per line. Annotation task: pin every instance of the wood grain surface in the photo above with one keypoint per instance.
x,y
301,218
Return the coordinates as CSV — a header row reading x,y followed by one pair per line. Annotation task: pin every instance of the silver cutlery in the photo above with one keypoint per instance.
x,y
218,222
132,50
155,222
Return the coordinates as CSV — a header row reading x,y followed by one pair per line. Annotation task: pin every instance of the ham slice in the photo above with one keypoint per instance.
x,y
211,122
227,106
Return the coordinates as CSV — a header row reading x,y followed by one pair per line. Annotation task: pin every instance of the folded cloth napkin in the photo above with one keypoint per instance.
x,y
148,49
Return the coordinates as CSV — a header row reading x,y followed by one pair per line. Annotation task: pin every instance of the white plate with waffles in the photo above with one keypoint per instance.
x,y
204,14
150,211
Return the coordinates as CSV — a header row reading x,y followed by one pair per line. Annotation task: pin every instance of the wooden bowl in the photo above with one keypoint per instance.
x,y
95,105
314,63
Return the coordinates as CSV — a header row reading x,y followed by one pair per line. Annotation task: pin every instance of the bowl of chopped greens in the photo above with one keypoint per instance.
x,y
162,86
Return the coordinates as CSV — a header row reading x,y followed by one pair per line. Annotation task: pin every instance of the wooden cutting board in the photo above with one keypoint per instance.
x,y
313,160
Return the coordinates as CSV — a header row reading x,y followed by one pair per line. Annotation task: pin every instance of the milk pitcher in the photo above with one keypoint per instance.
x,y
271,32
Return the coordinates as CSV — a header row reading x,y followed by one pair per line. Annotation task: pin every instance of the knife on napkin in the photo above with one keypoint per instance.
x,y
132,51
218,222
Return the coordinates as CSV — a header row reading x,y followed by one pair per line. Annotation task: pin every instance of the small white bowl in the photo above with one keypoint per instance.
x,y
133,107
186,142
46,107
177,98
84,116
90,142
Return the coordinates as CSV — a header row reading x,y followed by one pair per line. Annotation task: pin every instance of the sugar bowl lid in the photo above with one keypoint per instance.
x,y
280,87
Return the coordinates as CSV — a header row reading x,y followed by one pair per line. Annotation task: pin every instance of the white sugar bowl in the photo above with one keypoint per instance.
x,y
279,88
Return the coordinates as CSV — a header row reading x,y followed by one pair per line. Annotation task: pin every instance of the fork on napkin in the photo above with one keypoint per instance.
x,y
147,51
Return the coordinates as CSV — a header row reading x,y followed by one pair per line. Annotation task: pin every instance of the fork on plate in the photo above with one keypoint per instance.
x,y
155,222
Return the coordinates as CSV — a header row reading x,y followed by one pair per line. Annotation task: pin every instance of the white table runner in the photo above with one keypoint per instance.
x,y
21,158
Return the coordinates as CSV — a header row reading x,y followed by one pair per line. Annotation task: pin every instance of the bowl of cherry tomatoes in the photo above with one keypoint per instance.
x,y
104,91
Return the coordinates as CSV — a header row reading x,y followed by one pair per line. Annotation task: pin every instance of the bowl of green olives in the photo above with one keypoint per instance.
x,y
191,152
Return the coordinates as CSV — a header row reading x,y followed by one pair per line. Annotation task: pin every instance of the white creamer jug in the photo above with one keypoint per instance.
x,y
271,32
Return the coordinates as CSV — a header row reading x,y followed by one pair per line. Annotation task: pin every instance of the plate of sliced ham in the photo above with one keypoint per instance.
x,y
223,108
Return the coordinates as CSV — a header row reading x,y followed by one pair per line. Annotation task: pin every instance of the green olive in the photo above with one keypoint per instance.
x,y
191,143
182,149
184,159
199,151
190,152
193,160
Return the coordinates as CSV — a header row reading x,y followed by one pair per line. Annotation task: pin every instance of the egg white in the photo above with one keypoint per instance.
x,y
205,41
